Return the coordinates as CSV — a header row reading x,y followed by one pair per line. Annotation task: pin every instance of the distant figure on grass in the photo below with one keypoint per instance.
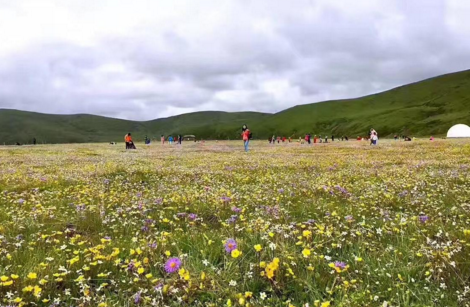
x,y
346,138
246,135
162,139
274,139
126,140
129,142
431,138
278,139
371,134
326,139
283,139
34,141
315,139
170,139
332,138
180,139
374,138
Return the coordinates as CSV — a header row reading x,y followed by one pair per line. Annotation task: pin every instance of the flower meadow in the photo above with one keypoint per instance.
x,y
206,224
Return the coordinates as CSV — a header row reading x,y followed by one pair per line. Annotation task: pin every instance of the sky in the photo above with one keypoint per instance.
x,y
147,59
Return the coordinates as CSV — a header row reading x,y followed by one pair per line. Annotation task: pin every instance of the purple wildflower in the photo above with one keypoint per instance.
x,y
237,210
340,264
423,218
131,267
232,219
137,298
21,201
349,218
192,216
230,245
172,265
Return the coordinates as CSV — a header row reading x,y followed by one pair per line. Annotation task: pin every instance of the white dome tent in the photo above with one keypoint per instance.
x,y
459,131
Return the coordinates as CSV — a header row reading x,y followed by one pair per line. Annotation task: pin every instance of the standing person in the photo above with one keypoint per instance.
x,y
315,139
170,139
326,139
34,141
372,131
180,139
126,139
246,134
274,139
162,139
278,139
374,138
332,138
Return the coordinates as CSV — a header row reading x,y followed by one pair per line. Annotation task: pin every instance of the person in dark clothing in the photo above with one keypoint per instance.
x,y
346,138
332,138
34,141
180,139
326,139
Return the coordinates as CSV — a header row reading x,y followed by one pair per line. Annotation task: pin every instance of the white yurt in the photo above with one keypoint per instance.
x,y
459,131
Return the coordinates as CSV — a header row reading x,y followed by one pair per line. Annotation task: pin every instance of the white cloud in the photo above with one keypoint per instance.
x,y
144,59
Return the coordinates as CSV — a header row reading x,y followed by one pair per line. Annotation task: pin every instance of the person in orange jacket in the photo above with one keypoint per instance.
x,y
126,139
129,142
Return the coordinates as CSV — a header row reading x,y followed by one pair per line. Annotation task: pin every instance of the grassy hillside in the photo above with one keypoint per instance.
x,y
20,126
429,107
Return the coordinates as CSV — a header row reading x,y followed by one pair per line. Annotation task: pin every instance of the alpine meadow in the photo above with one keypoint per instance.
x,y
425,108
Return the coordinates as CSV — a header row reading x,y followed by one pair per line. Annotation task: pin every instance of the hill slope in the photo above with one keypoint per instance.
x,y
22,127
424,108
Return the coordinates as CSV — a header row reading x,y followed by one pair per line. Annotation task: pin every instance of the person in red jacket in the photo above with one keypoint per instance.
x,y
246,136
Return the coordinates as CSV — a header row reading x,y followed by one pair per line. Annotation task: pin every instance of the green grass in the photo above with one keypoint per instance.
x,y
59,201
425,108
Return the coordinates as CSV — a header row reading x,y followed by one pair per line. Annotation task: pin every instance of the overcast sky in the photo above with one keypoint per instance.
x,y
146,59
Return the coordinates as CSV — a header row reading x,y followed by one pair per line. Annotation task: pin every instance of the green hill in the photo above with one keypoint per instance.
x,y
22,127
424,108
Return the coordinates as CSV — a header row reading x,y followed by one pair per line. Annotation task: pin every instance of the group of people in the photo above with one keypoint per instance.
x,y
307,139
171,140
319,139
130,143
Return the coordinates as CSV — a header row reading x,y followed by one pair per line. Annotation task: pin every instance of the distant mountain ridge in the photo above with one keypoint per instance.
x,y
424,108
